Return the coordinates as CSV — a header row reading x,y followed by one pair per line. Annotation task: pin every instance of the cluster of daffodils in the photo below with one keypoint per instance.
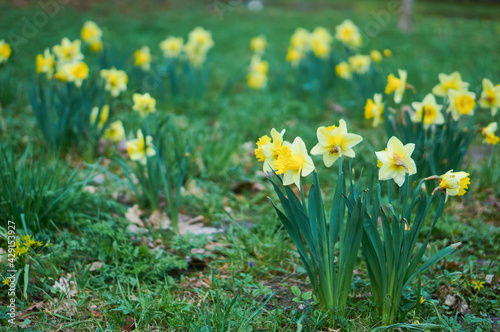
x,y
91,34
304,42
199,43
359,64
292,161
65,63
114,132
258,69
5,51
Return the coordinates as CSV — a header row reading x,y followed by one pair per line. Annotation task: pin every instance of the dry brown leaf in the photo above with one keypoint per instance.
x,y
95,266
134,215
196,227
159,220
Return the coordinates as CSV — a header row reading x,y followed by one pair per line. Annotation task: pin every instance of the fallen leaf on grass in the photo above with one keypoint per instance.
x,y
194,226
159,220
134,215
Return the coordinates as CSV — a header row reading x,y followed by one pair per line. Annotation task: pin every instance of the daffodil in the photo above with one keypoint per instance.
x,y
115,132
259,65
5,51
92,34
294,56
75,72
257,80
461,102
294,162
360,64
488,133
335,142
348,33
199,43
258,44
259,152
144,104
68,51
45,63
142,58
397,85
172,47
103,116
115,80
396,161
272,149
387,53
300,40
141,148
343,70
490,97
376,56
374,109
454,183
429,110
319,42
449,82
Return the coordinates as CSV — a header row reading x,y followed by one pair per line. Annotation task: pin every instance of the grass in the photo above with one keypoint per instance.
x,y
242,277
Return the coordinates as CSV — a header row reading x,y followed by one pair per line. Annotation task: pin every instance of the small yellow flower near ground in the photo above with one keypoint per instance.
x,y
45,63
68,51
92,34
429,110
115,80
334,143
343,70
103,117
387,53
454,183
258,44
5,51
272,149
141,148
376,56
396,161
257,80
5,281
348,33
259,153
115,132
294,56
490,97
478,285
397,85
374,109
144,104
172,47
449,82
360,63
488,133
461,102
294,162
142,58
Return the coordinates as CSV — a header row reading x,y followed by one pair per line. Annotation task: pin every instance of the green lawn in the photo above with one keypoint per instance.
x,y
165,281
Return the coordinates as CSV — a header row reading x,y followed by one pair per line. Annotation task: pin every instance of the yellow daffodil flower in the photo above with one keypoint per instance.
x,y
115,132
172,47
144,104
490,97
199,43
319,42
387,53
92,34
103,117
294,162
376,56
300,40
141,148
258,44
343,70
396,161
257,80
488,133
397,85
454,183
75,72
335,142
68,51
449,82
429,110
115,80
374,109
348,33
294,56
259,153
45,63
142,58
5,51
360,64
272,149
461,102
259,65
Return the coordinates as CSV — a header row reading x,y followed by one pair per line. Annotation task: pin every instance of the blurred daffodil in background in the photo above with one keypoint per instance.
x,y
115,80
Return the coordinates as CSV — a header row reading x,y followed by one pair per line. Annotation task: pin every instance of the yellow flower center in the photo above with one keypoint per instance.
x,y
465,104
369,107
491,97
399,161
287,161
393,83
430,113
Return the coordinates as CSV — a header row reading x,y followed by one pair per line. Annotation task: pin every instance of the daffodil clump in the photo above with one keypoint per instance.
x,y
115,81
302,43
5,51
91,34
67,62
197,46
258,69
